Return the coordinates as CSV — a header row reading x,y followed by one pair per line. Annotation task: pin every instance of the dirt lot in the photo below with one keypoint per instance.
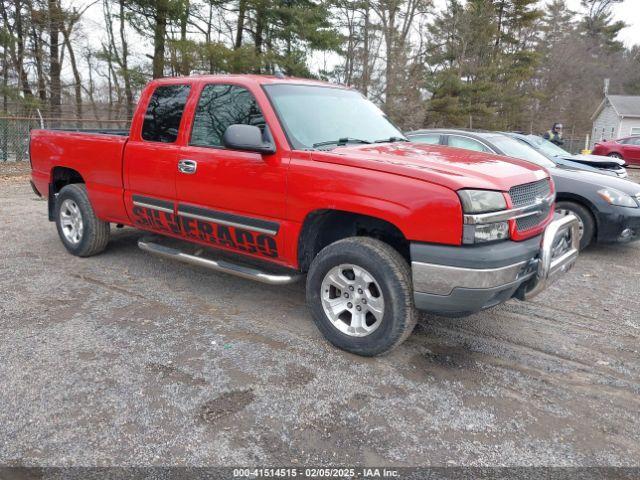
x,y
126,359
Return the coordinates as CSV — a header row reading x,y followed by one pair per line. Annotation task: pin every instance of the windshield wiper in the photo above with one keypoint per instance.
x,y
340,142
392,139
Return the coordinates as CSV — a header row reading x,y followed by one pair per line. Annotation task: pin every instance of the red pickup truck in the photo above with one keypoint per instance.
x,y
273,178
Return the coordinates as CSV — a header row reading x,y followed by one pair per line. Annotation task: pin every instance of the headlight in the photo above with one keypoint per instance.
x,y
616,197
481,201
489,232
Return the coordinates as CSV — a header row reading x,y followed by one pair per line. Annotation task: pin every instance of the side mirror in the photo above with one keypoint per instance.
x,y
246,137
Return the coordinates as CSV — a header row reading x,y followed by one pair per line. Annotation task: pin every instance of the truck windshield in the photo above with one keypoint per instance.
x,y
326,117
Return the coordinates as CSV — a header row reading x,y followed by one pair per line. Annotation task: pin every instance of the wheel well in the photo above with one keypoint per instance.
x,y
564,197
60,177
323,227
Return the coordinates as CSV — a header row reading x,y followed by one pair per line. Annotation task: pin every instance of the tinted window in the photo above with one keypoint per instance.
x,y
219,107
431,139
467,143
162,119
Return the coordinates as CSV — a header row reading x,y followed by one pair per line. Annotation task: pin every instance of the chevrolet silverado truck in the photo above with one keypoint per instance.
x,y
274,179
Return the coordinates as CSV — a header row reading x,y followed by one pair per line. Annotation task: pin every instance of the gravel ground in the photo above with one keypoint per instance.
x,y
127,359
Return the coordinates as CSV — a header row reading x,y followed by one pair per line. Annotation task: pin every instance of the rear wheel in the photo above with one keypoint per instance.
x,y
360,293
585,220
615,155
82,233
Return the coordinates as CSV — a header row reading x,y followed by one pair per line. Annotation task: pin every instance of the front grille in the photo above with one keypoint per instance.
x,y
533,221
522,195
530,194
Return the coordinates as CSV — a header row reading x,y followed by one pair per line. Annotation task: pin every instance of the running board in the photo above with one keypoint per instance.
x,y
218,265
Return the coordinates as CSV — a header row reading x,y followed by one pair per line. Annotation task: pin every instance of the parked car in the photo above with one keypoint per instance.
x,y
627,149
608,208
294,177
594,163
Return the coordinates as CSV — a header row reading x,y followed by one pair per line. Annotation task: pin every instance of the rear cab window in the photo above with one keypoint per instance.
x,y
164,113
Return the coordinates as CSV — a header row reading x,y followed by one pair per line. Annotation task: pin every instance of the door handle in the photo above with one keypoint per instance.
x,y
187,166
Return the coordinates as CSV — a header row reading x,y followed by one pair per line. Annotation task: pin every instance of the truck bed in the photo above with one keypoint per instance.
x,y
96,156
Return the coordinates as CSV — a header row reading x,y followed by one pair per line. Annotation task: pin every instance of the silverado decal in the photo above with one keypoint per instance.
x,y
213,233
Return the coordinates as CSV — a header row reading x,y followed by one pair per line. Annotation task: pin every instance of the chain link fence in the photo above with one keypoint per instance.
x,y
576,143
14,132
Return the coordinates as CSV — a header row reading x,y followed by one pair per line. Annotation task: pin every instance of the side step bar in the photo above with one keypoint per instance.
x,y
218,265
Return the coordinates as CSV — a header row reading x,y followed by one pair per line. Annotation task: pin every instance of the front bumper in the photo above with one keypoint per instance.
x,y
618,224
458,281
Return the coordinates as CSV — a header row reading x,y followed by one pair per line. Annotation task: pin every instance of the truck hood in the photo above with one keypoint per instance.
x,y
454,168
599,161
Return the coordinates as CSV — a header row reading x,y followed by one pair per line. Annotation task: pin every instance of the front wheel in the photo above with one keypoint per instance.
x,y
586,222
82,233
615,155
360,294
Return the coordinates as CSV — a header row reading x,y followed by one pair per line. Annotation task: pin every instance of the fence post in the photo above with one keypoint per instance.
x,y
5,143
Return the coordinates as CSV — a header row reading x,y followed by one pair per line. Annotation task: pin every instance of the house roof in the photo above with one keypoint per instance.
x,y
624,105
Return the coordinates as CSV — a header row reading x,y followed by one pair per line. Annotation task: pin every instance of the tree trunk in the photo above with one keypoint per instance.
x,y
159,34
24,78
365,52
258,37
54,60
184,61
124,60
37,56
66,32
390,41
242,7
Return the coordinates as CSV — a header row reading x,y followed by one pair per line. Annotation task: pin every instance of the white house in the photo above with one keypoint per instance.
x,y
617,116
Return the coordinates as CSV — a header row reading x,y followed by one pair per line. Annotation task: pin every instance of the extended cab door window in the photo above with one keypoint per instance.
x,y
231,199
164,113
150,159
220,106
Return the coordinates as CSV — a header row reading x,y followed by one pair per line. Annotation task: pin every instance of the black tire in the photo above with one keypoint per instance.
x,y
390,271
588,222
95,232
615,155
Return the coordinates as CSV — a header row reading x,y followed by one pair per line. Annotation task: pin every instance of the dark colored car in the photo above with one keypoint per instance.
x,y
627,149
594,163
608,208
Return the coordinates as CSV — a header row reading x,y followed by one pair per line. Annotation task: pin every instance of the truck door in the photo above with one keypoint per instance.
x,y
232,199
150,159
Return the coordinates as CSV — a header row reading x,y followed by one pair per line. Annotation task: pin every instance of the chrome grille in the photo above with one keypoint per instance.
x,y
522,195
529,194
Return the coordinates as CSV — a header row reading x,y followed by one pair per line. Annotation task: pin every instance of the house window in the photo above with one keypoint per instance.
x,y
635,130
